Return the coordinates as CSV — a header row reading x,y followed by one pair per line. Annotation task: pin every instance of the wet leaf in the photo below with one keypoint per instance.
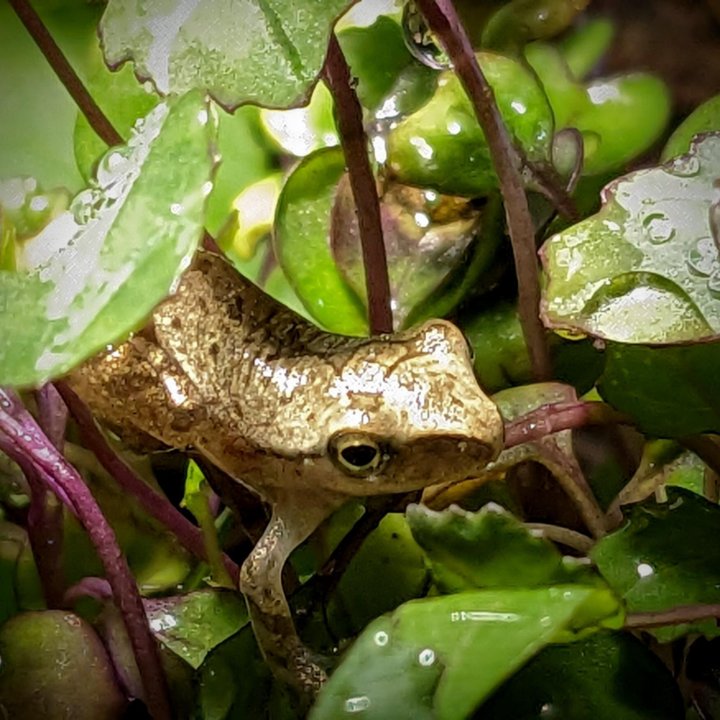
x,y
442,147
192,625
665,555
645,268
441,657
489,548
668,391
267,52
607,676
618,117
302,243
426,238
95,272
54,666
705,118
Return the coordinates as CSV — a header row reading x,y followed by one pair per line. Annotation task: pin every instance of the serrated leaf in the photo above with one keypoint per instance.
x,y
489,548
192,625
645,268
666,555
267,52
439,658
96,271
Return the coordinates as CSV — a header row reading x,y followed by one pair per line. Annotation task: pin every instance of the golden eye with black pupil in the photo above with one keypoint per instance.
x,y
357,454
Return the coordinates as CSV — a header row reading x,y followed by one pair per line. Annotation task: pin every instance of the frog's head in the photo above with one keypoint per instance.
x,y
408,412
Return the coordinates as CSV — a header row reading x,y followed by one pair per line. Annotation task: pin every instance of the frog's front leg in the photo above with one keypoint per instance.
x,y
295,516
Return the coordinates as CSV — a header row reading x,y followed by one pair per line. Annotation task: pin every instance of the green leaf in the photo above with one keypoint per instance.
x,y
645,268
607,676
439,658
389,552
55,666
96,272
442,146
301,241
705,118
36,113
489,548
192,625
266,52
665,555
668,391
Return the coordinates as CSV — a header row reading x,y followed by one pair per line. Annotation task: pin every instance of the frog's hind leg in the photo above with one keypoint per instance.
x,y
293,520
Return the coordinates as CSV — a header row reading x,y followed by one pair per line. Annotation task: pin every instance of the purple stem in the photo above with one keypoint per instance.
x,y
362,181
443,20
45,517
189,535
25,442
554,417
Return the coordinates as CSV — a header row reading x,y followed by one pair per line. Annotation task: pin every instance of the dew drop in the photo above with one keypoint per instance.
x,y
685,166
426,657
420,41
659,228
702,257
357,704
381,638
84,206
713,286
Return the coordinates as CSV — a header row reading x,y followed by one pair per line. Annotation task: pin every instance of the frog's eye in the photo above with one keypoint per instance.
x,y
357,454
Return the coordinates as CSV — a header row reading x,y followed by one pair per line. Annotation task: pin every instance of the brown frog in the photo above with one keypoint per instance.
x,y
305,418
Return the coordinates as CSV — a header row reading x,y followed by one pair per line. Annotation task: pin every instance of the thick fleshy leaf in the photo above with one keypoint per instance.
x,y
705,118
55,666
426,235
668,391
95,272
441,146
666,555
267,52
607,676
441,657
645,268
302,243
489,548
192,625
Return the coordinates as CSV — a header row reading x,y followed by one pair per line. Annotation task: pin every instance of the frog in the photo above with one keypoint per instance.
x,y
303,418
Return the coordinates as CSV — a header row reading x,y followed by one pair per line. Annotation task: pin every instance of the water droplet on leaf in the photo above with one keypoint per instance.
x,y
659,228
702,257
420,41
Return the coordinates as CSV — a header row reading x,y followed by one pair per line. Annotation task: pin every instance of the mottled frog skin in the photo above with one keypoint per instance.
x,y
303,417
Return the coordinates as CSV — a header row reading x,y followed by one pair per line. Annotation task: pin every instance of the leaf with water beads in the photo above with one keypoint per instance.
x,y
644,269
441,657
268,52
97,270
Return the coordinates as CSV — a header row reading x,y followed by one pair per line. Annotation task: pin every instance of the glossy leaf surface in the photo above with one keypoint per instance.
x,y
95,272
267,52
440,657
654,562
645,268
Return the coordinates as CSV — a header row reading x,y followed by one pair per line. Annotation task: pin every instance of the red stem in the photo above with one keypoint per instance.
x,y
25,442
362,181
189,536
675,616
443,20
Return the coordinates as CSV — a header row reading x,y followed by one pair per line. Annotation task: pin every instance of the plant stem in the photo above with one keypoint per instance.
x,y
443,20
354,143
24,441
564,536
188,535
65,73
675,616
45,516
554,417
